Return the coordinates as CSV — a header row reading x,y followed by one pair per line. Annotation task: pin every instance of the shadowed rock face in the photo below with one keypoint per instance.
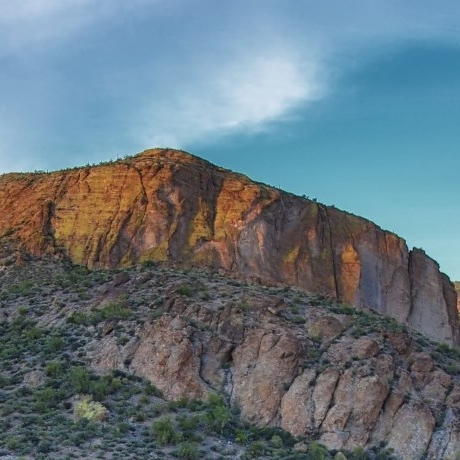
x,y
169,205
457,288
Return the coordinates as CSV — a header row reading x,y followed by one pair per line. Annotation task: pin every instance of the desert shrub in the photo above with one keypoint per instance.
x,y
80,380
23,310
47,398
53,369
88,409
100,389
358,332
385,454
163,431
358,453
219,419
446,350
23,288
215,400
276,441
4,381
115,310
185,290
152,390
123,428
188,451
54,344
189,423
298,319
78,318
256,449
12,443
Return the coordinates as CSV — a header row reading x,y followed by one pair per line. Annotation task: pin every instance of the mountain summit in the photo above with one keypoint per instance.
x,y
168,205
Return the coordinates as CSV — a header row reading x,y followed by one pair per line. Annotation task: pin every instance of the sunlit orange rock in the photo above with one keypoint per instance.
x,y
169,205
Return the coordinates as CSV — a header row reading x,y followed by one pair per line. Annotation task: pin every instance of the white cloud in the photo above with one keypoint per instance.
x,y
244,94
217,69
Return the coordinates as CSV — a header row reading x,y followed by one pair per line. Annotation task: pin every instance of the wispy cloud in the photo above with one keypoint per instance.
x,y
244,94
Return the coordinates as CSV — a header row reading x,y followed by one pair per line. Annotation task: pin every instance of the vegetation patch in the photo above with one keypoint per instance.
x,y
88,409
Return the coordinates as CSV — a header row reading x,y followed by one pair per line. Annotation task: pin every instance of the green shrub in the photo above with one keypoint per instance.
x,y
123,428
115,311
188,451
54,344
23,288
215,400
100,389
317,452
185,290
256,449
219,419
78,318
80,380
385,454
241,436
152,390
23,310
46,397
4,381
53,369
163,431
358,332
189,423
298,319
276,441
12,443
358,453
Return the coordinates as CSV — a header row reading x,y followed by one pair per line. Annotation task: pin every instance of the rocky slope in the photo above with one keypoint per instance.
x,y
169,205
317,368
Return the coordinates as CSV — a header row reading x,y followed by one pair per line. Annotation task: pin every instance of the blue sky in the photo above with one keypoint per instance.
x,y
354,103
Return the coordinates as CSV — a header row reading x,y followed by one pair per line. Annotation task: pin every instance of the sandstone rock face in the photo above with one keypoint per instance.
x,y
168,205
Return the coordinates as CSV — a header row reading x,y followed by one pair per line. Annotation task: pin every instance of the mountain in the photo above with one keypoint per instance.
x,y
168,205
162,307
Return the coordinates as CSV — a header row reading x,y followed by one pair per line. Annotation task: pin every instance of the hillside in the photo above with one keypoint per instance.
x,y
167,205
139,337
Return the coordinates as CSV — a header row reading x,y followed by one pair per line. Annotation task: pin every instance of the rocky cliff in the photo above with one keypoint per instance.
x,y
169,205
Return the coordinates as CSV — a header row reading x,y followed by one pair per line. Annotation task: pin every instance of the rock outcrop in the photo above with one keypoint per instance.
x,y
169,205
349,379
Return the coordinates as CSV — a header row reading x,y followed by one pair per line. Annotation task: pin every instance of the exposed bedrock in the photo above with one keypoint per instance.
x,y
169,205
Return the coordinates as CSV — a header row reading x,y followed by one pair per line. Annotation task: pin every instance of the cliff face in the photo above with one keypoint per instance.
x,y
168,205
457,288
